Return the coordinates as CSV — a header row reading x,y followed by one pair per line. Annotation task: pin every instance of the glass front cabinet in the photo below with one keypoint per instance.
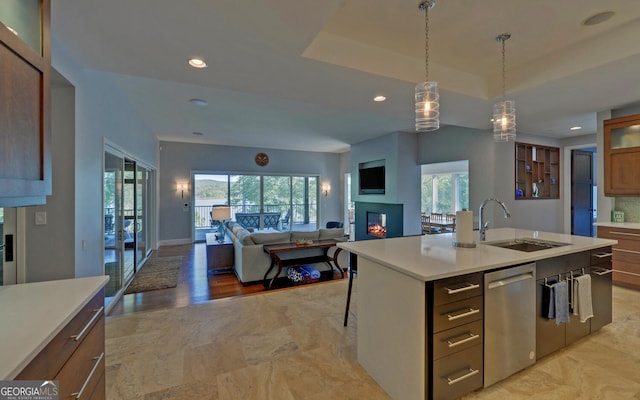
x,y
25,70
622,156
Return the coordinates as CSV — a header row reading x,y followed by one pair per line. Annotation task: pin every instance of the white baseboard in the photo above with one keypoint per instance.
x,y
173,242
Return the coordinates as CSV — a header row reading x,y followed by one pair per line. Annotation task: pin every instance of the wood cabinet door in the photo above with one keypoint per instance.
x,y
622,160
25,160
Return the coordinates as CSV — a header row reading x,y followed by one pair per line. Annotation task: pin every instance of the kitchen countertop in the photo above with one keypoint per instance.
x,y
431,257
32,314
624,225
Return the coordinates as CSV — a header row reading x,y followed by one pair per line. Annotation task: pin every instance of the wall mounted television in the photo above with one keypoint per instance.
x,y
371,177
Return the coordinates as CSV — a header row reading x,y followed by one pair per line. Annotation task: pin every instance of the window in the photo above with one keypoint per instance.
x,y
295,197
445,187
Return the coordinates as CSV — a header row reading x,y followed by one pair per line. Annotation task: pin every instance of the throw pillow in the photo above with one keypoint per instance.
x,y
245,237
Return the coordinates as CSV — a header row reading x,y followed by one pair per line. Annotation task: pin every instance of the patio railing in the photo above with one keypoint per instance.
x,y
202,217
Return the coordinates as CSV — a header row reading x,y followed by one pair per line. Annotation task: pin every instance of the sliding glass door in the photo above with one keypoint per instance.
x,y
126,205
113,224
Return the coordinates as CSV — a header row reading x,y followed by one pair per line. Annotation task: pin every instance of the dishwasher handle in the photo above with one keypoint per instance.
x,y
510,280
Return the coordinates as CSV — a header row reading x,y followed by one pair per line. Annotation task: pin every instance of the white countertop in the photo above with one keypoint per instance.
x,y
431,257
625,225
32,314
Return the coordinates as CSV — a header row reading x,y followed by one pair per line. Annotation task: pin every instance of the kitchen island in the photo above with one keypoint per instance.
x,y
54,330
396,280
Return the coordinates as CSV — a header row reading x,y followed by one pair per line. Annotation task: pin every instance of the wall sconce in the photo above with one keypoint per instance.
x,y
182,186
326,188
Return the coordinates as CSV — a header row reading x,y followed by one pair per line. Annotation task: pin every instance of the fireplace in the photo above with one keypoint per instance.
x,y
377,224
378,220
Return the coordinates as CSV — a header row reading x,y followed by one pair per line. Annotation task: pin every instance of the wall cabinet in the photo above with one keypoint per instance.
x,y
537,171
622,156
25,51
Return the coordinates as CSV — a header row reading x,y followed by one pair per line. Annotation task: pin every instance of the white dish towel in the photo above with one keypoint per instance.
x,y
581,296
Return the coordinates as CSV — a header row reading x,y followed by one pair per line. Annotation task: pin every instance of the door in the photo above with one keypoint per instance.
x,y
113,224
581,193
8,231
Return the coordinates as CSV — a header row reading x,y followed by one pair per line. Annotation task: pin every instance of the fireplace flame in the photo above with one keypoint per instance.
x,y
377,230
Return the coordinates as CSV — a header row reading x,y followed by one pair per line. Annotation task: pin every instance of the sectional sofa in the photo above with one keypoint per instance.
x,y
251,262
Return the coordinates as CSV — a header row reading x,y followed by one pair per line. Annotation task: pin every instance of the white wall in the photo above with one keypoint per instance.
x,y
492,174
49,248
90,108
179,160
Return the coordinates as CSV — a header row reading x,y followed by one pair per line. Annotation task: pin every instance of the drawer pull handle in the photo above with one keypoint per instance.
x,y
469,374
97,314
79,393
624,233
603,255
470,311
603,272
469,337
468,286
627,251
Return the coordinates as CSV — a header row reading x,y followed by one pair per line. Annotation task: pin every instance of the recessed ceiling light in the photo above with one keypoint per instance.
x,y
197,62
379,98
598,18
198,133
575,128
199,102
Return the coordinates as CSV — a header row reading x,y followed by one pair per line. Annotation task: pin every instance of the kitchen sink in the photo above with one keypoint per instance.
x,y
527,244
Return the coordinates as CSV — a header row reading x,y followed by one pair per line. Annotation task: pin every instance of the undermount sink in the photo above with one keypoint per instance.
x,y
527,244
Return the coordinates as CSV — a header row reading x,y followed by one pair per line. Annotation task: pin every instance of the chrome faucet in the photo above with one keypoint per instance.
x,y
483,226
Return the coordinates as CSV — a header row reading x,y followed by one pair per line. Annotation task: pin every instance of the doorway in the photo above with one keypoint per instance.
x,y
126,207
583,192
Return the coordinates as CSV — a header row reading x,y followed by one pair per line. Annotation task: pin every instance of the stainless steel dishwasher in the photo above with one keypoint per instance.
x,y
509,321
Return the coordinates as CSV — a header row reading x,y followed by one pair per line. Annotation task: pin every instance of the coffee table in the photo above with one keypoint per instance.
x,y
276,250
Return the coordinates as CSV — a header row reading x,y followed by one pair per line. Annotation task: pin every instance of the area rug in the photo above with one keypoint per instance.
x,y
156,273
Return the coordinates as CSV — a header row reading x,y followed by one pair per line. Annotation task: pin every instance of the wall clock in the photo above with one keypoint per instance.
x,y
262,159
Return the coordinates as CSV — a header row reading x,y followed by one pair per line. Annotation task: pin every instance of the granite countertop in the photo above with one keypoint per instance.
x,y
34,313
431,257
625,225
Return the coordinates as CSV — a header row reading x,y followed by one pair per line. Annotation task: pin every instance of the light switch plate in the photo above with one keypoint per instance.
x,y
41,217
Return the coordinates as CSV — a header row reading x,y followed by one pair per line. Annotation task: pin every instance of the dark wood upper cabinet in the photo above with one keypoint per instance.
x,y
25,132
622,156
537,171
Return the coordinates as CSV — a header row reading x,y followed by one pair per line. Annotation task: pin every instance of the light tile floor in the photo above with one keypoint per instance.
x,y
291,344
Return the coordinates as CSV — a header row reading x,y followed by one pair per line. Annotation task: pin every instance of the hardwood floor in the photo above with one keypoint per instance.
x,y
194,284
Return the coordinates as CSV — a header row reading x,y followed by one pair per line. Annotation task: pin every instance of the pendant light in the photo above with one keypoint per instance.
x,y
427,96
504,111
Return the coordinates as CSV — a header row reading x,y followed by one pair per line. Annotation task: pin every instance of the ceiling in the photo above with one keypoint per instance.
x,y
301,74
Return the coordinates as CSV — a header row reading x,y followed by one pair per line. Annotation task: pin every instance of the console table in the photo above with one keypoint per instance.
x,y
219,254
276,250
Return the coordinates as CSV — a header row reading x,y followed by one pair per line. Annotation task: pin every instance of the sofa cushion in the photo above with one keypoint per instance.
x,y
334,233
270,238
244,236
307,235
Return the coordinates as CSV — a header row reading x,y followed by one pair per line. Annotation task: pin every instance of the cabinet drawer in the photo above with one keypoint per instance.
x,y
601,256
457,288
80,375
626,280
457,374
625,255
618,233
447,316
627,267
49,361
457,339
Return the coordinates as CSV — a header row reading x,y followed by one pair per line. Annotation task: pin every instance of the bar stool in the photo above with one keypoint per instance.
x,y
353,269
